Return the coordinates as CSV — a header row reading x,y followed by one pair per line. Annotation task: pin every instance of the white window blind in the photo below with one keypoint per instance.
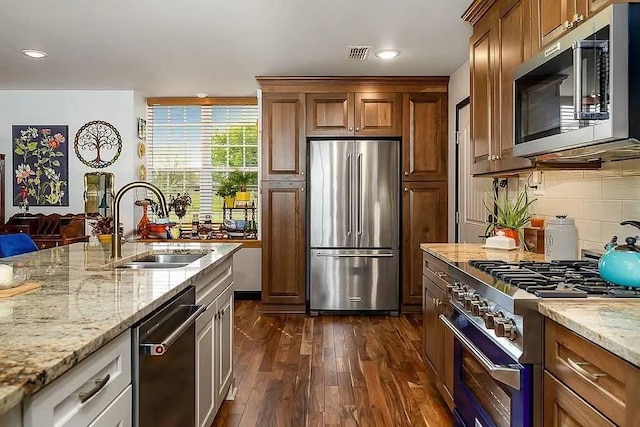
x,y
190,147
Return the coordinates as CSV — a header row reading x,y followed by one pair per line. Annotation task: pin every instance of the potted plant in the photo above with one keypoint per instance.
x,y
242,180
227,188
102,228
512,215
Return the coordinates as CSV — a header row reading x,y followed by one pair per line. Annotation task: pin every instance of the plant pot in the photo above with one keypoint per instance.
x,y
510,232
243,196
229,202
104,238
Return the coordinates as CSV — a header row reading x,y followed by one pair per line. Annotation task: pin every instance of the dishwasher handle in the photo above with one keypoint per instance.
x,y
159,349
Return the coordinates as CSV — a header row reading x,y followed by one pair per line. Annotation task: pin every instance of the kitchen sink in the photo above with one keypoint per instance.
x,y
162,261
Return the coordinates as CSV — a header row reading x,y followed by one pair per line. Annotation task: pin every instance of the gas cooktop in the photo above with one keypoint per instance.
x,y
555,279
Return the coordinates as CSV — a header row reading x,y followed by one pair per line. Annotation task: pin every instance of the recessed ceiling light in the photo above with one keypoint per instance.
x,y
35,54
201,95
387,54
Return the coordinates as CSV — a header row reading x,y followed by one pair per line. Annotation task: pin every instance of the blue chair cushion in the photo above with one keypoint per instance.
x,y
16,244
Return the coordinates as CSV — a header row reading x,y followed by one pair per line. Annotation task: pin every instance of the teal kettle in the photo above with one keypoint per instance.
x,y
620,264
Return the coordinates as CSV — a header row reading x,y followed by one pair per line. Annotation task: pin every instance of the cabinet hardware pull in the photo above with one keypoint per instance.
x,y
406,190
99,386
406,173
577,367
302,189
565,25
357,129
440,274
302,173
351,128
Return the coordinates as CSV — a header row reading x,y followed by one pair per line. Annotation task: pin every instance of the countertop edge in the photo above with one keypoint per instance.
x,y
584,331
51,373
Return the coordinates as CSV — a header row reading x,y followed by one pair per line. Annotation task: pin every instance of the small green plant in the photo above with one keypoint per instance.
x,y
243,179
227,187
512,214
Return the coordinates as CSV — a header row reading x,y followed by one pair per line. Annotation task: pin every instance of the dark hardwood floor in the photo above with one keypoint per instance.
x,y
295,370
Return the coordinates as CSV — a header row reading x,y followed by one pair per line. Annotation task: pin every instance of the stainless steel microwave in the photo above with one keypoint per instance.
x,y
579,99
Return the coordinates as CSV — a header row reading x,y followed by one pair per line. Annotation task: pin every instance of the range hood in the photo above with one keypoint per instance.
x,y
603,151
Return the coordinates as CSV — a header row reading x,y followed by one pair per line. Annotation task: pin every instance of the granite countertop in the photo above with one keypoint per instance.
x,y
463,252
613,325
82,304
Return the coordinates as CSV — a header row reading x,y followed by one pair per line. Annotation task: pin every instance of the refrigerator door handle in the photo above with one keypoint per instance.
x,y
359,199
352,255
349,193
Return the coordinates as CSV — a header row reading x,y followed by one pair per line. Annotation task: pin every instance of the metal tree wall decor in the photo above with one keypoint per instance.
x,y
98,144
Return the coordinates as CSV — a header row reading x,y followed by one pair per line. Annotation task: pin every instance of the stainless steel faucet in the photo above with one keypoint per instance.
x,y
116,239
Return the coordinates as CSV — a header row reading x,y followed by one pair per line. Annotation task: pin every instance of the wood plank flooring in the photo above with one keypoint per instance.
x,y
294,370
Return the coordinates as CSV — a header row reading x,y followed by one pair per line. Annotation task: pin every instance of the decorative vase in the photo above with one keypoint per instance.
x,y
511,232
104,238
144,224
229,201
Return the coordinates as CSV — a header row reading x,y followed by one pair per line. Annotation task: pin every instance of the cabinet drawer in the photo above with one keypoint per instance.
x,y
60,403
208,288
118,414
601,378
562,407
436,271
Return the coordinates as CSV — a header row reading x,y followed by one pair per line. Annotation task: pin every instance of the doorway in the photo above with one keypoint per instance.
x,y
470,192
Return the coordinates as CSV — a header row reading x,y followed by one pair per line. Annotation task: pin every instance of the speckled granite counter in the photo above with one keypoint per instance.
x,y
613,325
82,304
463,252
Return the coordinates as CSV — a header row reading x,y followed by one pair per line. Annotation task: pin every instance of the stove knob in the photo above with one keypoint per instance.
x,y
451,289
490,318
469,299
506,328
459,294
479,308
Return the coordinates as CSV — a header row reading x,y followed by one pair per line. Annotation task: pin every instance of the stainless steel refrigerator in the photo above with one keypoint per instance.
x,y
354,225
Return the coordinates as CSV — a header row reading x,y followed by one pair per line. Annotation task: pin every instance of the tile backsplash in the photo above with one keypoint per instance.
x,y
598,200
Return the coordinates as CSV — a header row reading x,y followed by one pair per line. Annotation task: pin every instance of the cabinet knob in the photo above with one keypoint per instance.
x,y
357,129
302,189
302,173
406,190
350,128
406,173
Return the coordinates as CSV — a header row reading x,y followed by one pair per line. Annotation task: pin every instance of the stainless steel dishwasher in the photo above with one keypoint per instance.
x,y
164,361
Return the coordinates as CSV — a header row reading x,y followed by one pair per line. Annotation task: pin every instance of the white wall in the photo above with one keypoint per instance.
x,y
458,91
247,271
73,108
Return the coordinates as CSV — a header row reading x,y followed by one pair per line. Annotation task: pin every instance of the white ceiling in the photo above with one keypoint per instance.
x,y
180,47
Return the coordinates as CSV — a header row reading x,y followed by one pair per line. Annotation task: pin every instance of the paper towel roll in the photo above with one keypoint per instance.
x,y
6,274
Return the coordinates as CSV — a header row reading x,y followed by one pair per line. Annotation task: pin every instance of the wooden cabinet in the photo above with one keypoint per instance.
x,y
425,142
437,340
424,220
214,342
563,408
555,17
283,139
283,246
358,114
224,345
605,382
501,41
205,367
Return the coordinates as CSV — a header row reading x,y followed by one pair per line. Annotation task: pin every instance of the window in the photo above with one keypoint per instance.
x,y
192,147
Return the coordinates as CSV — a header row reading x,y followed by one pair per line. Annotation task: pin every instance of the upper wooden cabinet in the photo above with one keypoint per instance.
x,y
501,40
556,17
283,141
424,151
358,114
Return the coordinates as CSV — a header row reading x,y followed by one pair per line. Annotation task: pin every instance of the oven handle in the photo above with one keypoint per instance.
x,y
501,373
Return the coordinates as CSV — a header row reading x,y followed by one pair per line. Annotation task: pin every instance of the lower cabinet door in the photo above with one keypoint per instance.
x,y
205,369
224,350
118,413
564,408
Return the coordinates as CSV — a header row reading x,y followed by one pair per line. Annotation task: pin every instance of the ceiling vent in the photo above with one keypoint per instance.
x,y
358,53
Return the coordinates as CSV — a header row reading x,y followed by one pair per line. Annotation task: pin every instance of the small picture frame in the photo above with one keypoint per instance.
x,y
142,129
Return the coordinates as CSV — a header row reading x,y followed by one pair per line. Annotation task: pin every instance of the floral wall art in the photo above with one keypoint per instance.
x,y
40,165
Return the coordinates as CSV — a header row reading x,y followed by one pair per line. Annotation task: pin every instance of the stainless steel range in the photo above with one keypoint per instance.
x,y
499,333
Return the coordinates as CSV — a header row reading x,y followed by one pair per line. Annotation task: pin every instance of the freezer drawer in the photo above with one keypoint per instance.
x,y
354,280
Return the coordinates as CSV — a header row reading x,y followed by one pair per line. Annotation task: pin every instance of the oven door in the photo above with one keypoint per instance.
x,y
491,389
